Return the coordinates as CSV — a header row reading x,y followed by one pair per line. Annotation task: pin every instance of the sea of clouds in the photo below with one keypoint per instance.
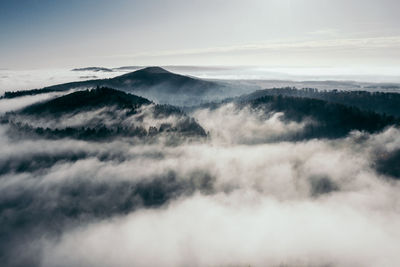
x,y
240,197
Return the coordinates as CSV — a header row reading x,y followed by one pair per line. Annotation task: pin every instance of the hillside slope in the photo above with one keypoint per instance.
x,y
154,83
101,114
380,102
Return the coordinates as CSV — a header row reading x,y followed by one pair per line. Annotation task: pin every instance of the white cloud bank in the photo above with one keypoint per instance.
x,y
309,203
240,229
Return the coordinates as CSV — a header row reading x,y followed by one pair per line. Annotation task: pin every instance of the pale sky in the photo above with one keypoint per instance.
x,y
272,33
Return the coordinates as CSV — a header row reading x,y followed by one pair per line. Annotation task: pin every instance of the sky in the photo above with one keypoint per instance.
x,y
361,34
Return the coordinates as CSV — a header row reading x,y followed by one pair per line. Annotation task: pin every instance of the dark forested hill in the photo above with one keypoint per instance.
x,y
87,99
101,114
322,119
384,103
332,120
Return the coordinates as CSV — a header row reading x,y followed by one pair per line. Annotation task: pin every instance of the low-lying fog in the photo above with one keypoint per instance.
x,y
264,77
240,197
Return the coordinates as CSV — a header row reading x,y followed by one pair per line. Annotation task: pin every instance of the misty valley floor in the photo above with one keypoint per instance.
x,y
120,181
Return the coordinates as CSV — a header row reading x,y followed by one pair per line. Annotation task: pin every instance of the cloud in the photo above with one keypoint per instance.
x,y
15,80
326,32
241,197
235,125
13,104
238,229
382,42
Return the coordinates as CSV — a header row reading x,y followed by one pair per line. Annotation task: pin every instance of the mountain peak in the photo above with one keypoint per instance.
x,y
154,69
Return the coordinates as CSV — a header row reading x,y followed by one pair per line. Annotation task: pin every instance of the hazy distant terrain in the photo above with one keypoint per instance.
x,y
154,83
262,133
201,173
255,78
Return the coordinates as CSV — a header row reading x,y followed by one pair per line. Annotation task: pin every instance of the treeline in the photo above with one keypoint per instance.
x,y
383,103
332,120
57,88
186,128
13,94
96,99
88,99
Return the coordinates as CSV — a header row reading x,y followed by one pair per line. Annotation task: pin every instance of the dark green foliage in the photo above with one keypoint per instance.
x,y
13,94
53,88
88,99
384,103
98,130
162,110
332,120
84,133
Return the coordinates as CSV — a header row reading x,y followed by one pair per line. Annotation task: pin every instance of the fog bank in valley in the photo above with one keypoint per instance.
x,y
242,196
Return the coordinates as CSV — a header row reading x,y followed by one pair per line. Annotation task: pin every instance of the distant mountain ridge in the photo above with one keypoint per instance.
x,y
96,69
154,83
